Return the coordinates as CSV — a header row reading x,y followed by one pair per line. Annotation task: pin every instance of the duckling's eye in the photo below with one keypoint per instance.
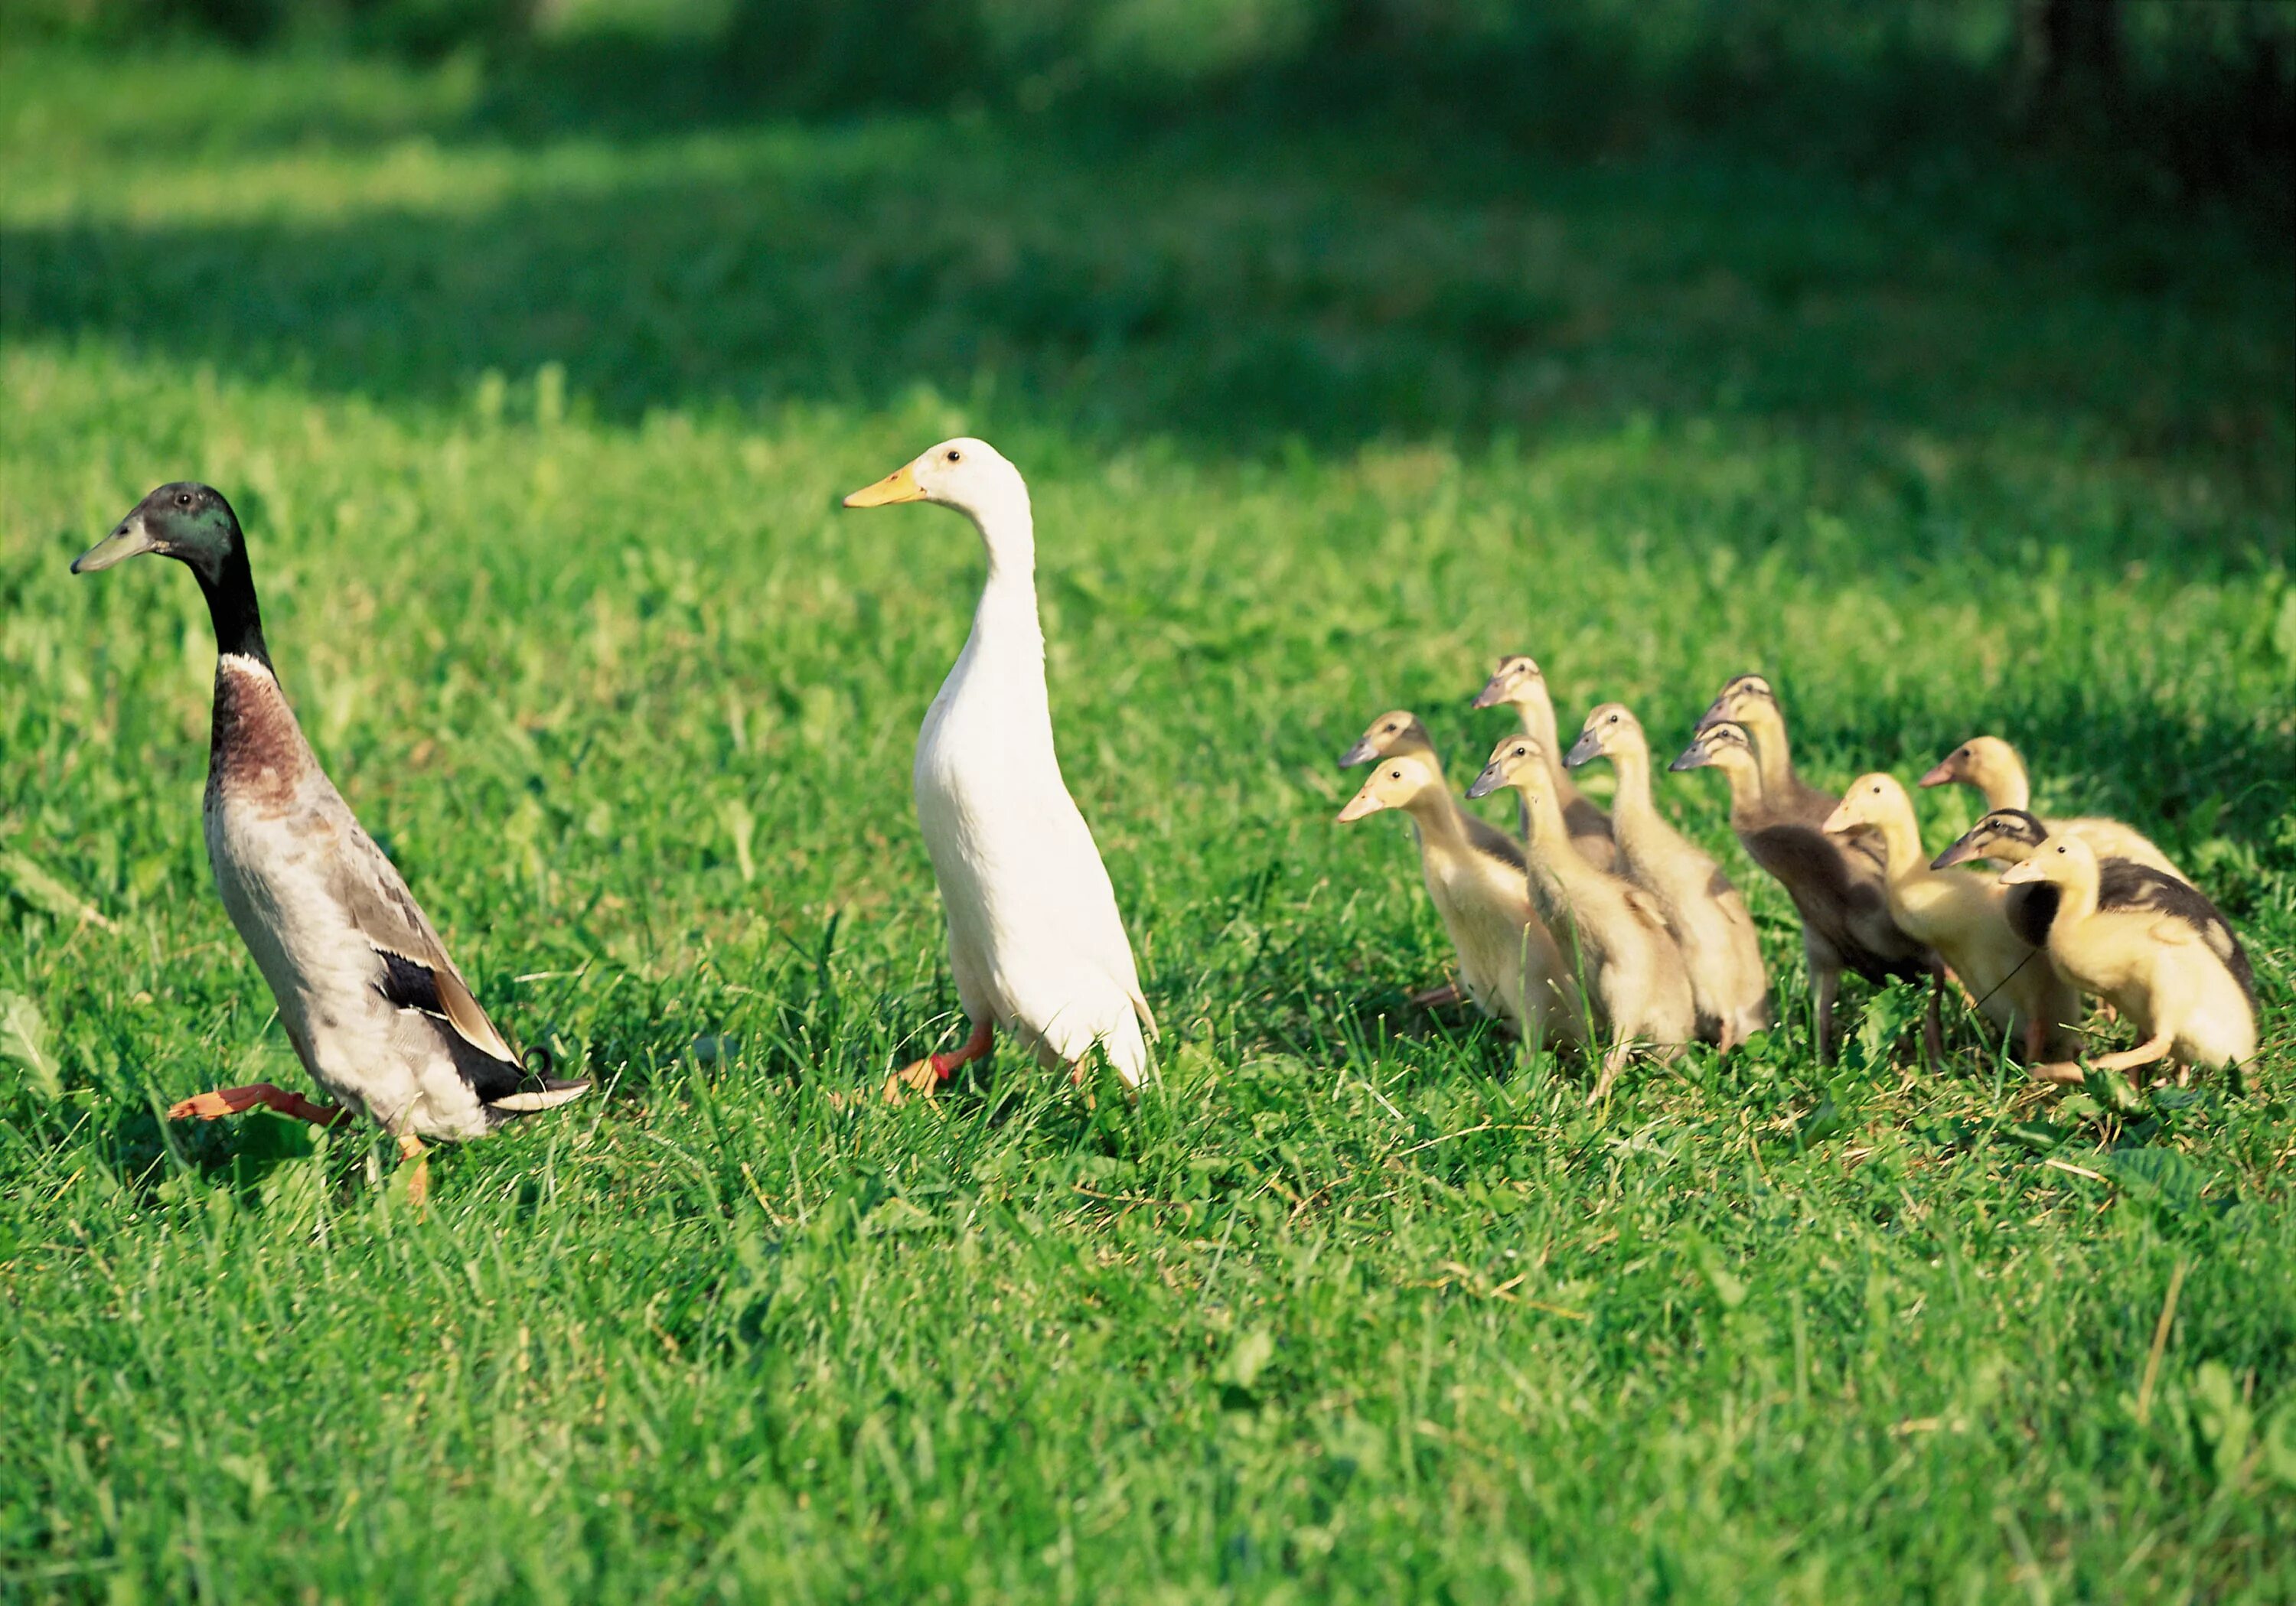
x,y
1614,719
1396,774
183,498
953,456
2061,850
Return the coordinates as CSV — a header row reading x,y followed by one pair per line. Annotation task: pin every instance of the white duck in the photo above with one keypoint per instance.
x,y
373,1006
1035,939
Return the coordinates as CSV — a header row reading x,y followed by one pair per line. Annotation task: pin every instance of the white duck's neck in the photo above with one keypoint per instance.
x,y
1008,596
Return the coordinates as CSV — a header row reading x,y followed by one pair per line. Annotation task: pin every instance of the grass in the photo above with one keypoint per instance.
x,y
537,424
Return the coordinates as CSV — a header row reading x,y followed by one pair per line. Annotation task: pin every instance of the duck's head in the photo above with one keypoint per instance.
x,y
1397,781
1607,729
1739,696
1975,761
1517,679
1396,732
187,521
2010,835
1515,761
2060,859
1872,800
969,475
1723,743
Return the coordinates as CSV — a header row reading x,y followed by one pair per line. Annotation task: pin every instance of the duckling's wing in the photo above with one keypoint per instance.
x,y
1649,908
2124,884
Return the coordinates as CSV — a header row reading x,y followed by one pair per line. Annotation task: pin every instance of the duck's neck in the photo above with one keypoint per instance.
x,y
2004,786
1538,711
1901,846
2076,897
1771,752
1630,762
230,591
1005,622
1745,789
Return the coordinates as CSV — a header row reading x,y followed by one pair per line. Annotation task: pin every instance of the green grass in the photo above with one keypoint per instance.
x,y
537,428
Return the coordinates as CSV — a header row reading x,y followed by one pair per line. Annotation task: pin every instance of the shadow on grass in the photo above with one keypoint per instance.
x,y
1230,293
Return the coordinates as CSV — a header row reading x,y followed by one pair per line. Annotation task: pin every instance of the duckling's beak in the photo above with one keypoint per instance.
x,y
1362,752
1693,757
899,486
1493,692
1840,821
129,537
1488,783
1939,775
1363,803
1707,721
1585,750
1960,853
2024,869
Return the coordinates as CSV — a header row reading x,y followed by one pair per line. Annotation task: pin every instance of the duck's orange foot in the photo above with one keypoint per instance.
x,y
924,1076
232,1101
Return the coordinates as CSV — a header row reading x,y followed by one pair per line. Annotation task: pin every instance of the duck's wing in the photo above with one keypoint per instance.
x,y
417,976
2125,884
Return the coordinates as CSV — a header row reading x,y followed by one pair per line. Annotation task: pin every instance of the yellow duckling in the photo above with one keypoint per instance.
x,y
1964,917
1702,910
2178,975
1614,934
1519,683
1993,768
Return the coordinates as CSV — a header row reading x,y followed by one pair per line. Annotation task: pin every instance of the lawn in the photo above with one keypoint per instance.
x,y
536,423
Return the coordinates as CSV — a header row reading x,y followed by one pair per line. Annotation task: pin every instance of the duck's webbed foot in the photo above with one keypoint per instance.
x,y
926,1075
232,1101
418,1180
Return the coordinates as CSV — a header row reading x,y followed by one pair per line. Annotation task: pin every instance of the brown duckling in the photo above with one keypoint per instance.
x,y
1962,917
1844,907
1749,702
1508,963
1993,768
1519,683
1613,933
2168,972
1708,918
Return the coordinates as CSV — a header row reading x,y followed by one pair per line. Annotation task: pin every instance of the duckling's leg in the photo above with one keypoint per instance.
x,y
230,1101
1438,998
1825,982
1933,1021
418,1181
1612,1062
926,1075
2143,1053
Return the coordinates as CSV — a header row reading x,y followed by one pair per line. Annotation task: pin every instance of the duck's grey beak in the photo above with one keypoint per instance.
x,y
1486,783
1693,757
1960,853
131,536
1585,750
1707,721
1494,692
1362,752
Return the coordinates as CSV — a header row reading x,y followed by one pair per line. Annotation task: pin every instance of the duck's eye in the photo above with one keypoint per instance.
x,y
954,455
2060,851
1614,719
183,498
1395,774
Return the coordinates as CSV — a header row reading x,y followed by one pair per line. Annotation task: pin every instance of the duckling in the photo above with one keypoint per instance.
x,y
1399,732
1708,918
1519,684
1962,917
1616,934
2009,836
1845,910
2169,972
1749,702
1035,942
1508,961
374,1009
1993,768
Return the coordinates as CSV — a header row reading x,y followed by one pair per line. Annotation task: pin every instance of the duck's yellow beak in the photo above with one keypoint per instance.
x,y
899,486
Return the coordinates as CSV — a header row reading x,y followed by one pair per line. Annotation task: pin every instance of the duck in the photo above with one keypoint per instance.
x,y
1614,935
2010,836
372,1004
1036,943
1961,916
1993,768
1704,911
1519,684
1401,731
1751,703
1846,924
2176,973
1509,963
